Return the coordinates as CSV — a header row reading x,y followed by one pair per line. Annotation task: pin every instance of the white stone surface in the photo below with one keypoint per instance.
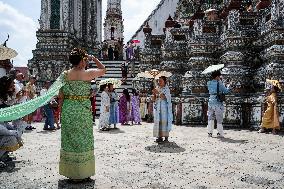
x,y
157,19
129,158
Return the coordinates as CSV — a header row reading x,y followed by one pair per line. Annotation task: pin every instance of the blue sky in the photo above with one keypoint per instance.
x,y
19,18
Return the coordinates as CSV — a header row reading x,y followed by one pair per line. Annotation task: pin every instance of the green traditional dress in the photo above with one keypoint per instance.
x,y
77,160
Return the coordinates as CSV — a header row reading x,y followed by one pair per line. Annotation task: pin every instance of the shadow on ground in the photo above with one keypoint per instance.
x,y
67,184
8,167
46,131
229,140
168,147
113,131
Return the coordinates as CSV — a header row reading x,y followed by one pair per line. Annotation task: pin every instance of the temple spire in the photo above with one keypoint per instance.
x,y
113,26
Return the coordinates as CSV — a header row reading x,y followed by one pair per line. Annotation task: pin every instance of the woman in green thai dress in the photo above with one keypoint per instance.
x,y
77,160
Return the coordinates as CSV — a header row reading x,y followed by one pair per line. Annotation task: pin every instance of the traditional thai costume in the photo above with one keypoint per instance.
x,y
143,107
124,110
113,118
163,116
270,119
104,114
135,109
77,160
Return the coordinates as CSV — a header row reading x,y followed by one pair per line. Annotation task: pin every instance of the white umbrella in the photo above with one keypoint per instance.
x,y
164,73
213,68
154,74
7,53
209,10
116,83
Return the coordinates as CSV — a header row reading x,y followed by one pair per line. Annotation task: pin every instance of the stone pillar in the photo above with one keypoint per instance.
x,y
64,16
45,13
78,18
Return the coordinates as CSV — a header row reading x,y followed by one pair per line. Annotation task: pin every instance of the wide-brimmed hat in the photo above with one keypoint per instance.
x,y
7,53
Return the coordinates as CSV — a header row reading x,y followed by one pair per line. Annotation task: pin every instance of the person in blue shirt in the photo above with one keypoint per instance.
x,y
215,105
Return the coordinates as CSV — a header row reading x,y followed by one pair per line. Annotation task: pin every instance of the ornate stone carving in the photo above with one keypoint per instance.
x,y
55,41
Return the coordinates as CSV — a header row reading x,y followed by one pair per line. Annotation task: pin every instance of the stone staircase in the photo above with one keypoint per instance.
x,y
113,71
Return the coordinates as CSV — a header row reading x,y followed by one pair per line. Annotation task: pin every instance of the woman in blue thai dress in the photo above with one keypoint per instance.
x,y
113,117
77,160
163,116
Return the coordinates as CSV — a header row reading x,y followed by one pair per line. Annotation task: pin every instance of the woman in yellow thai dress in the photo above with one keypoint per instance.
x,y
270,119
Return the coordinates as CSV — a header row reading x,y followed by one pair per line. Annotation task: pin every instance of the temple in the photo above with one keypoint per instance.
x,y
65,24
113,28
246,36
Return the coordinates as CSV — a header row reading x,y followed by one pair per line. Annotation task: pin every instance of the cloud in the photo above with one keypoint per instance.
x,y
22,30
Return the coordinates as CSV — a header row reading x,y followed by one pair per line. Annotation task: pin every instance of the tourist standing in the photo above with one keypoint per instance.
x,y
110,53
93,104
130,57
270,119
125,51
163,116
215,103
104,109
20,88
21,96
124,108
77,160
31,93
49,116
124,71
56,111
135,109
143,106
113,118
116,52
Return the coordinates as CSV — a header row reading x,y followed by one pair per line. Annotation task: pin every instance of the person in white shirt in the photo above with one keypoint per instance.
x,y
20,88
21,96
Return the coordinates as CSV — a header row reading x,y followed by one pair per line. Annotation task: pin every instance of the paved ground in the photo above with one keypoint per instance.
x,y
128,158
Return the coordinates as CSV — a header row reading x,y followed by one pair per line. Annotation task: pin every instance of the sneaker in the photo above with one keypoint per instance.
x,y
209,134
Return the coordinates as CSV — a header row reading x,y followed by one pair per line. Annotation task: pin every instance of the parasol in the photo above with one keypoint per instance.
x,y
135,41
7,53
154,74
164,73
213,68
116,83
274,83
209,10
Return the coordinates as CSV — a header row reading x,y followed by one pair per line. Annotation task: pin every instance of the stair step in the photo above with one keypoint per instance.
x,y
114,71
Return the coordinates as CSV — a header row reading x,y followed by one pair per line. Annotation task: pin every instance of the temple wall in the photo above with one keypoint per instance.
x,y
157,19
